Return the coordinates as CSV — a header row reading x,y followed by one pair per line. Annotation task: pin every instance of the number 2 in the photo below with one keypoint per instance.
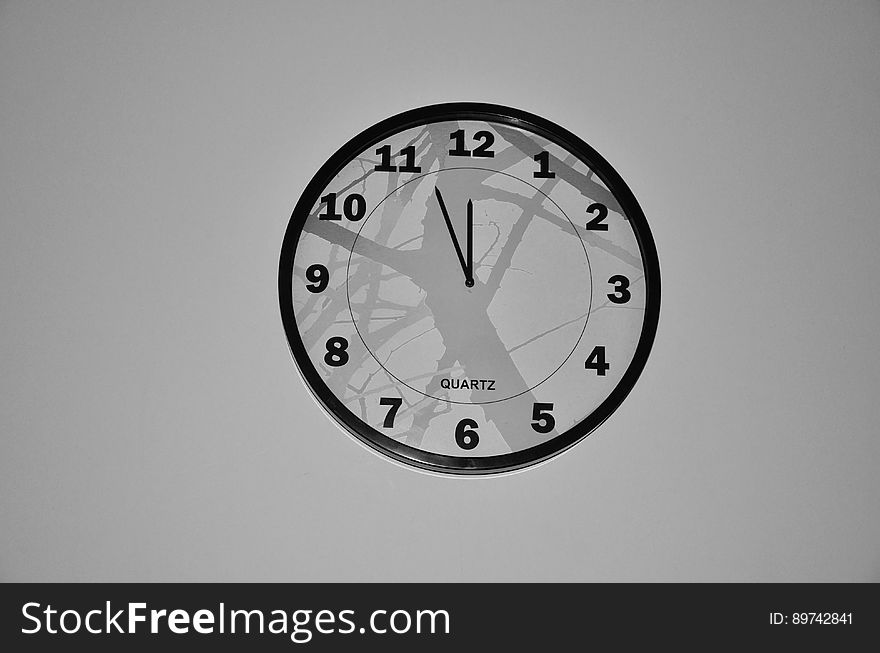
x,y
601,212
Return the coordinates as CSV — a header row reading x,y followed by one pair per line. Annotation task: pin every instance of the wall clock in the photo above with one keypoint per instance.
x,y
469,288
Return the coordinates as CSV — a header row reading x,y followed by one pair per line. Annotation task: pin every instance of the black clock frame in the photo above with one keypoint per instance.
x,y
515,118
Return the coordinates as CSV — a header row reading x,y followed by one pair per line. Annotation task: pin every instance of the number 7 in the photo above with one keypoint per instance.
x,y
395,403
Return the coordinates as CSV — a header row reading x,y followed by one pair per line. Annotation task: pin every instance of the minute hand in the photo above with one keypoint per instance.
x,y
458,252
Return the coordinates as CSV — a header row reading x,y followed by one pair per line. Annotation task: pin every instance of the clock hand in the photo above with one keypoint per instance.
x,y
469,272
462,262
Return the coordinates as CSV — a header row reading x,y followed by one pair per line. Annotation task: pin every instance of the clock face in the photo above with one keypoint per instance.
x,y
469,288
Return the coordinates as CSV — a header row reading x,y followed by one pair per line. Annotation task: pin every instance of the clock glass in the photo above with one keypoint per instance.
x,y
469,288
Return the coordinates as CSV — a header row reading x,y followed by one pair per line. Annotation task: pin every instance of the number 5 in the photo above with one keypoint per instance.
x,y
543,420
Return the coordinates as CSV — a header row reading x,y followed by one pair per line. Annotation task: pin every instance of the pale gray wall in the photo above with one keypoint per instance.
x,y
154,427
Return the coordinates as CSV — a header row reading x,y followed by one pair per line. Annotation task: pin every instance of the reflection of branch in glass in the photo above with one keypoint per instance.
x,y
422,418
362,180
370,271
407,242
529,206
547,332
408,381
405,343
609,304
491,247
589,236
430,410
506,158
375,256
583,183
309,306
359,392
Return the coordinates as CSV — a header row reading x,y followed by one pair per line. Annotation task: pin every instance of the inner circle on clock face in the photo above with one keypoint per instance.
x,y
493,336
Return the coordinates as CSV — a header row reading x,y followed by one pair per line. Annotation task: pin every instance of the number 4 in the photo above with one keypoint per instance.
x,y
596,361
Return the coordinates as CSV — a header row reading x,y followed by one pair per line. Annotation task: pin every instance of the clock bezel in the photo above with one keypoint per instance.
x,y
493,113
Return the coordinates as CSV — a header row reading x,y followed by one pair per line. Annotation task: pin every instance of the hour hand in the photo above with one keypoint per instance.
x,y
469,268
465,265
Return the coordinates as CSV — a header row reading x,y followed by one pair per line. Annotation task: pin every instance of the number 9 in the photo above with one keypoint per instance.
x,y
318,275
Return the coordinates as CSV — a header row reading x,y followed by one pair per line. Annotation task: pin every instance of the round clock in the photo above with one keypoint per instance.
x,y
469,288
